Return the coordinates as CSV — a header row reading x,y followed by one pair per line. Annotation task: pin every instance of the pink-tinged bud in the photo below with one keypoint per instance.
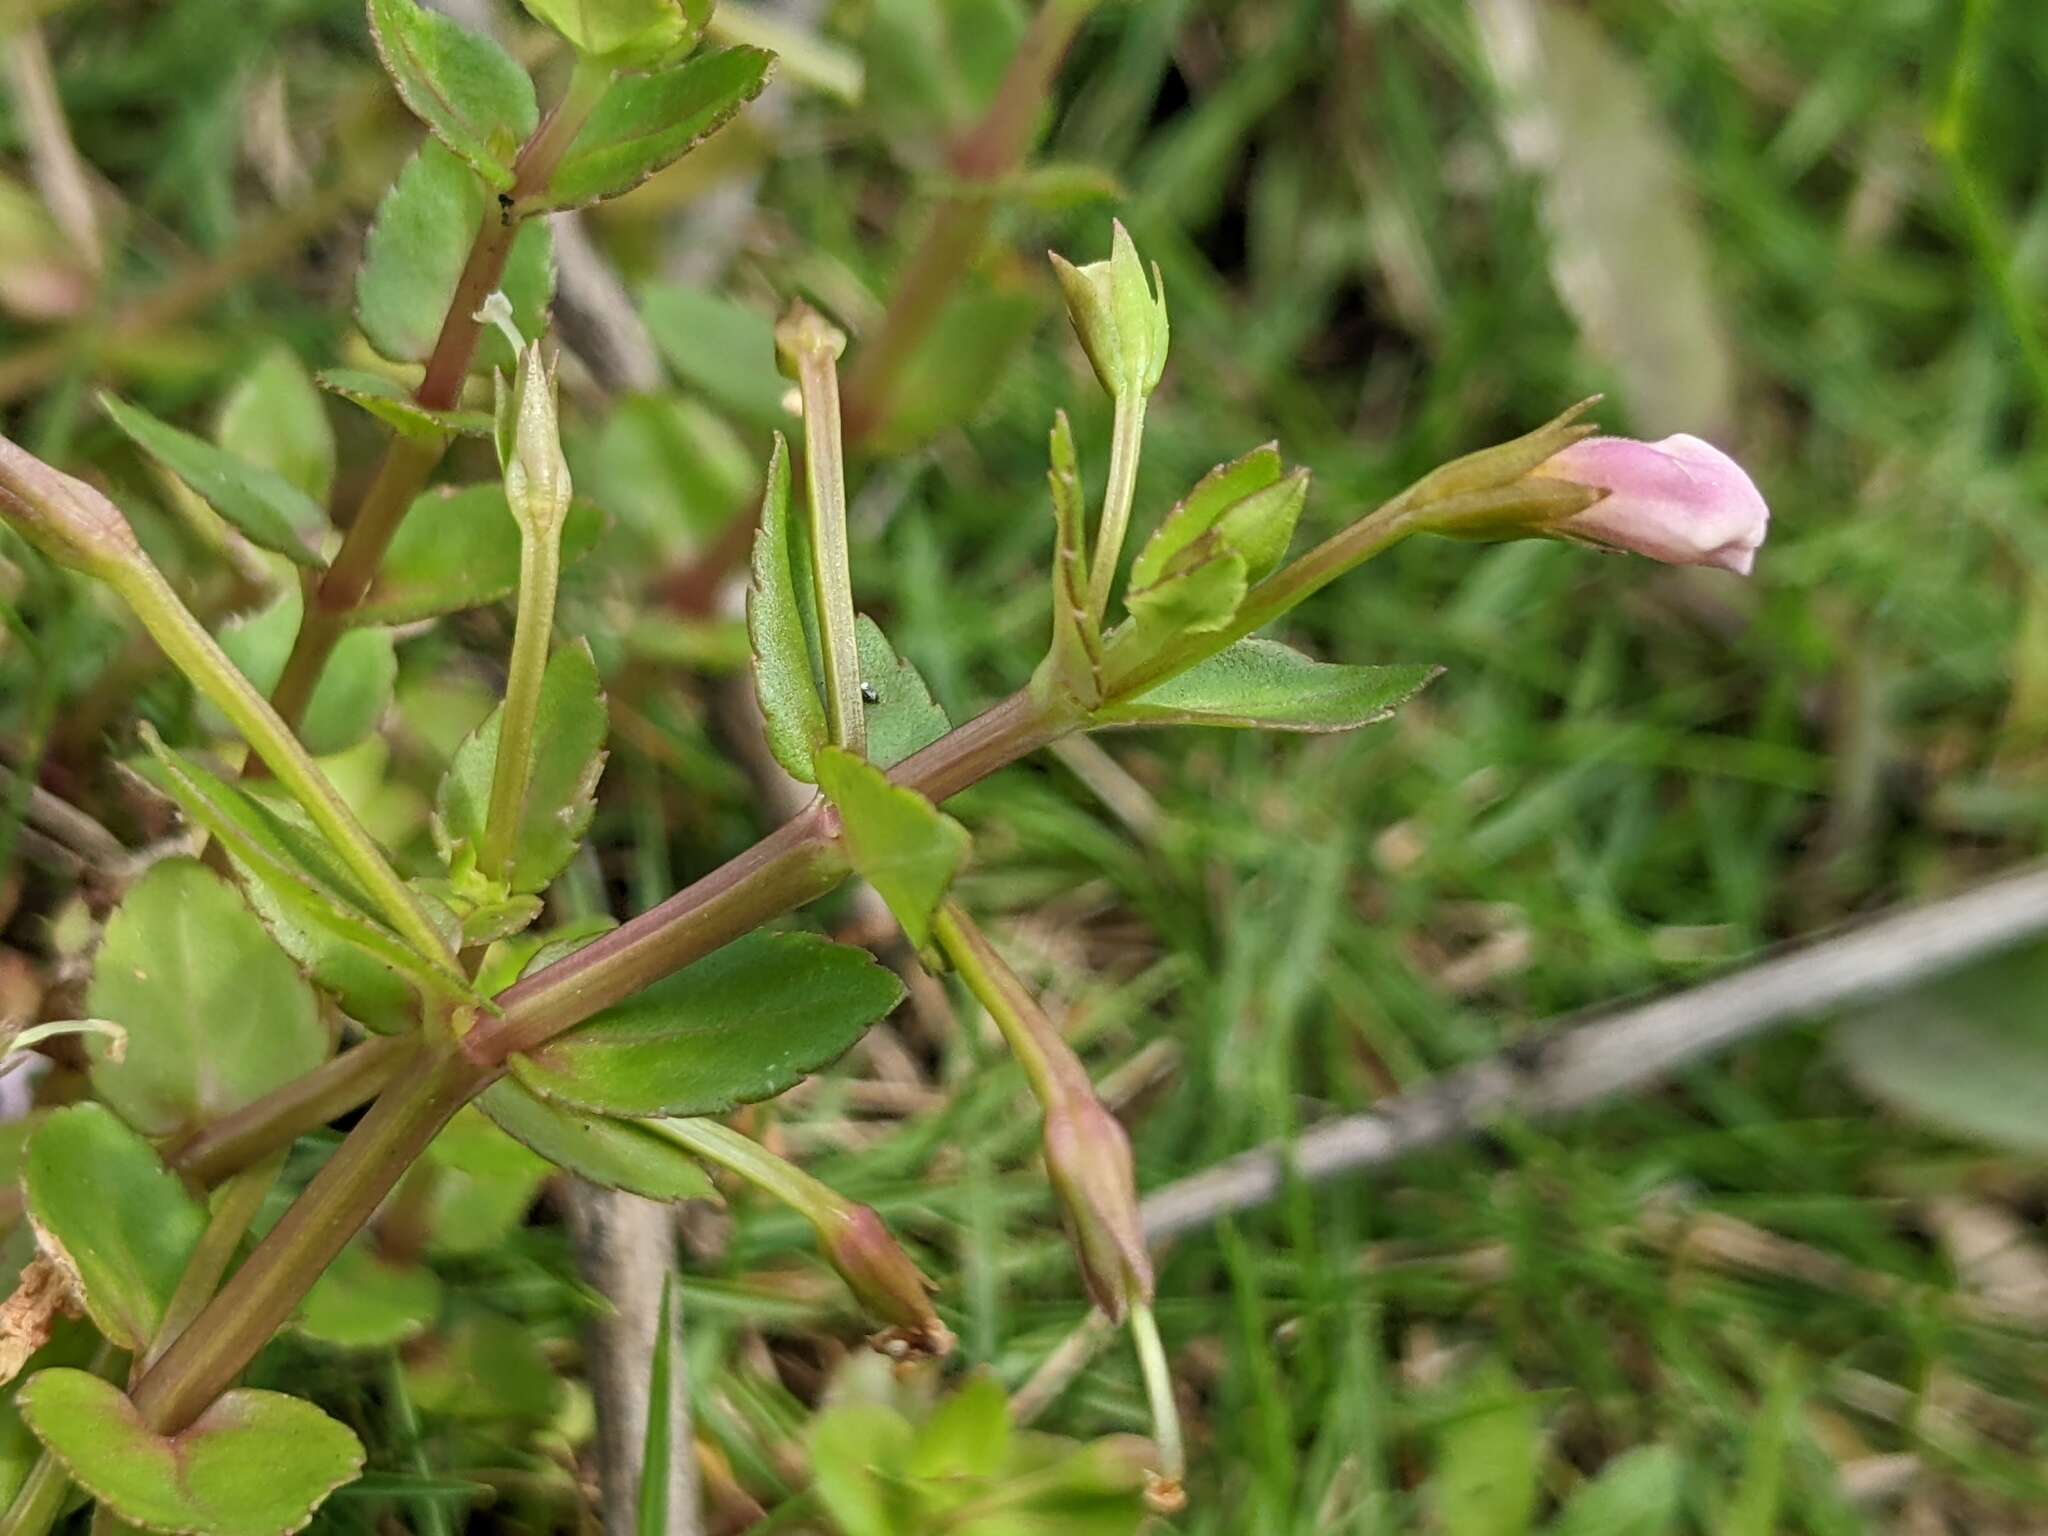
x,y
1088,1160
884,1281
1681,501
65,518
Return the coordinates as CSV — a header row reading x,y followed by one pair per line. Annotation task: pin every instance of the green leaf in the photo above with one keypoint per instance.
x,y
119,1219
274,418
561,795
270,511
392,403
216,1013
784,680
967,1436
901,717
644,122
457,549
474,1186
900,843
1074,662
744,1023
1202,595
1484,1483
1263,685
857,1456
465,88
1249,503
361,1301
720,347
484,1368
415,252
1636,1494
652,1514
618,1154
253,1464
1967,1052
354,689
304,895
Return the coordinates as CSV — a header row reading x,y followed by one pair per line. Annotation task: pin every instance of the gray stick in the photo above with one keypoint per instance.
x,y
1577,1065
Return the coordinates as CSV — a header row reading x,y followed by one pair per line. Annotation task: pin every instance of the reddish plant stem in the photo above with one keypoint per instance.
x,y
791,866
993,149
408,460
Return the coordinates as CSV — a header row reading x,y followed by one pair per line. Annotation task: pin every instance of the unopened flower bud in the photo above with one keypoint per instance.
x,y
1119,317
628,34
530,446
1681,501
66,519
1088,1160
884,1281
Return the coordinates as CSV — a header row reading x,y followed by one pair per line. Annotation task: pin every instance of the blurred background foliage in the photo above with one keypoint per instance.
x,y
1391,231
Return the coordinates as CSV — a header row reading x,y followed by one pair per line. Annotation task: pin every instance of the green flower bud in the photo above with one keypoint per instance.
x,y
627,34
529,443
883,1280
1088,1160
1119,317
66,519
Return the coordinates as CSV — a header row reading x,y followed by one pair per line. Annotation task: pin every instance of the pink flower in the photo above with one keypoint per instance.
x,y
1681,501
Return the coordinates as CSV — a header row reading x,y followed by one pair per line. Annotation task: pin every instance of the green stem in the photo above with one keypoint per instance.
x,y
1129,668
235,1205
793,865
1127,438
195,653
264,1292
540,570
831,559
746,1158
275,1121
1159,1392
1049,1063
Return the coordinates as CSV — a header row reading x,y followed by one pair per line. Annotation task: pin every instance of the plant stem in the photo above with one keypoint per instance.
x,y
1128,670
745,1157
195,653
409,461
812,348
1048,1062
540,570
263,1293
988,152
1127,436
235,1205
279,1118
797,863
1159,1392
